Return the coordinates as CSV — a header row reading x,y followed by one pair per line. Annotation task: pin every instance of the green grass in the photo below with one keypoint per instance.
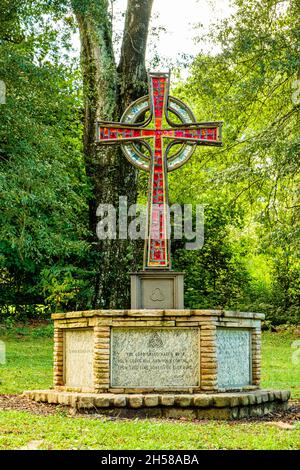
x,y
29,366
17,429
278,370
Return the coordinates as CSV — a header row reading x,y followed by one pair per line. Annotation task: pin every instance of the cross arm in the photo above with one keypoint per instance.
x,y
116,133
206,133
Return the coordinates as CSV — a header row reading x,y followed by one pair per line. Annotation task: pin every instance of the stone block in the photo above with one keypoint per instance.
x,y
183,400
151,412
157,290
52,397
201,401
57,316
101,388
208,384
221,401
244,412
63,398
235,413
244,400
264,397
285,395
135,401
85,402
214,413
267,408
74,324
177,413
277,395
101,402
251,399
234,401
208,377
256,411
119,401
151,400
73,315
211,371
167,400
258,398
101,342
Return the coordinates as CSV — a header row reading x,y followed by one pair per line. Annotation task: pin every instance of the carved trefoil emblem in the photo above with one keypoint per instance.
x,y
157,295
155,341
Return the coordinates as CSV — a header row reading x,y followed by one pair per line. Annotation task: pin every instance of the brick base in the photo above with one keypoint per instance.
x,y
191,406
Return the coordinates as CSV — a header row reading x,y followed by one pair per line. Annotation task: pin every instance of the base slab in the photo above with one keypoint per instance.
x,y
192,406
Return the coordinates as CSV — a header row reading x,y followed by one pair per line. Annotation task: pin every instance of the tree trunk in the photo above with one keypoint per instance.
x,y
108,90
131,69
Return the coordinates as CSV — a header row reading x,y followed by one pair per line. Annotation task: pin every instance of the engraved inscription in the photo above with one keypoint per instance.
x,y
148,357
79,348
233,358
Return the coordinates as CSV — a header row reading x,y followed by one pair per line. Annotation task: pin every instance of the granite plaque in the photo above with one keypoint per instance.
x,y
154,357
79,349
233,358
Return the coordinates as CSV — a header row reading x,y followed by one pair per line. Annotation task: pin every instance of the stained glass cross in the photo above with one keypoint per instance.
x,y
143,144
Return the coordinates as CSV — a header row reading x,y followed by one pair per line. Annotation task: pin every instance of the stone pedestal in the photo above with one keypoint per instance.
x,y
169,363
130,351
157,290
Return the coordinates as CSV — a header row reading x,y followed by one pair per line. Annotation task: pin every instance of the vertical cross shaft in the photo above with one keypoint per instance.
x,y
157,246
187,133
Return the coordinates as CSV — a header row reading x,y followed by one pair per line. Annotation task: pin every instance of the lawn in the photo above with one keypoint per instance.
x,y
29,363
278,369
18,429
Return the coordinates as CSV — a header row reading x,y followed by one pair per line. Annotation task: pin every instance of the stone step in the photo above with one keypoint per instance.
x,y
168,405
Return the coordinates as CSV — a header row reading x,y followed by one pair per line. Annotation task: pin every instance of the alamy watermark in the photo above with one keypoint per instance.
x,y
130,222
296,353
2,92
296,93
2,353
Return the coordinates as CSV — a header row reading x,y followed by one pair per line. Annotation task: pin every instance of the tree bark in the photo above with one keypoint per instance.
x,y
108,90
131,69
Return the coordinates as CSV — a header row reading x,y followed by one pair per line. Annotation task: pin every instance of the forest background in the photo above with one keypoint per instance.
x,y
49,257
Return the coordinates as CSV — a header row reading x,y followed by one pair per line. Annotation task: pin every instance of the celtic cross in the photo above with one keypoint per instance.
x,y
143,144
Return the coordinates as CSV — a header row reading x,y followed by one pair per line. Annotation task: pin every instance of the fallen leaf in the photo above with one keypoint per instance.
x,y
281,425
32,445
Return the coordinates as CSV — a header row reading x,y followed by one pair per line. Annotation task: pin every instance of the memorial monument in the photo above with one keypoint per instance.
x,y
159,359
158,286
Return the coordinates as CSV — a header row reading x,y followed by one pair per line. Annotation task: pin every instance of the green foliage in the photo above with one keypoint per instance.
x,y
66,288
251,85
215,276
43,186
9,329
249,188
